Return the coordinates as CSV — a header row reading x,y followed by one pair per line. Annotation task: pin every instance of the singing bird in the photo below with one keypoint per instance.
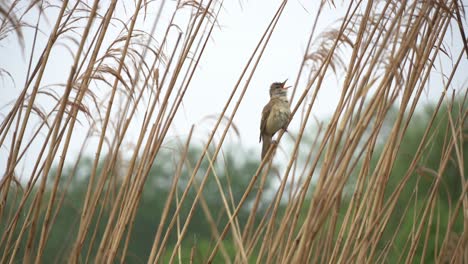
x,y
275,114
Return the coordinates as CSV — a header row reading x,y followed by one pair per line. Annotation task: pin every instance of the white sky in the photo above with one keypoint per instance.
x,y
242,25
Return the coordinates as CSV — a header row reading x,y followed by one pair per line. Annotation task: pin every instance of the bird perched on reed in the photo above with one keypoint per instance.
x,y
275,114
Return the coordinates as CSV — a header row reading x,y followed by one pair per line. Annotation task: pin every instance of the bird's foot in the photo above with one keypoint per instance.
x,y
274,143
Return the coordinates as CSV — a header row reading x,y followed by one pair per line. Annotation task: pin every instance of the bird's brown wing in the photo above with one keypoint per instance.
x,y
265,114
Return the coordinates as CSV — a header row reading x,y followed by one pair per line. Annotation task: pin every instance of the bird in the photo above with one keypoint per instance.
x,y
275,114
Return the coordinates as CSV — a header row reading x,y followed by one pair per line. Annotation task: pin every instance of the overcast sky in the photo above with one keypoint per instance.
x,y
242,25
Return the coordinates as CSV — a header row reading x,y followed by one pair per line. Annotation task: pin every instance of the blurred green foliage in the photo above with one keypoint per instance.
x,y
235,169
414,198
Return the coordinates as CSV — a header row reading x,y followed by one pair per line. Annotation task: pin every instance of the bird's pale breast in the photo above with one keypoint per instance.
x,y
278,117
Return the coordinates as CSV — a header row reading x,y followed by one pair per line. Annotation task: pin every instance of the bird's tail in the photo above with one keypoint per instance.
x,y
266,145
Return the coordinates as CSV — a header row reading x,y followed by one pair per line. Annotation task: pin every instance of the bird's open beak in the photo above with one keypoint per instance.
x,y
284,84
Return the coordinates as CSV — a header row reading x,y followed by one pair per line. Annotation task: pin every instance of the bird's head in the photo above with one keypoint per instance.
x,y
279,89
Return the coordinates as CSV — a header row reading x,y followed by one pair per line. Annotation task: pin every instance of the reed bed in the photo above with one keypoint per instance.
x,y
339,197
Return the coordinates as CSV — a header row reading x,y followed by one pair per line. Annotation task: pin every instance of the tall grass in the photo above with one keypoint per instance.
x,y
388,51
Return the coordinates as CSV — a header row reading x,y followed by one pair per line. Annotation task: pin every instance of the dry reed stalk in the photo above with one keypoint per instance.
x,y
387,51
